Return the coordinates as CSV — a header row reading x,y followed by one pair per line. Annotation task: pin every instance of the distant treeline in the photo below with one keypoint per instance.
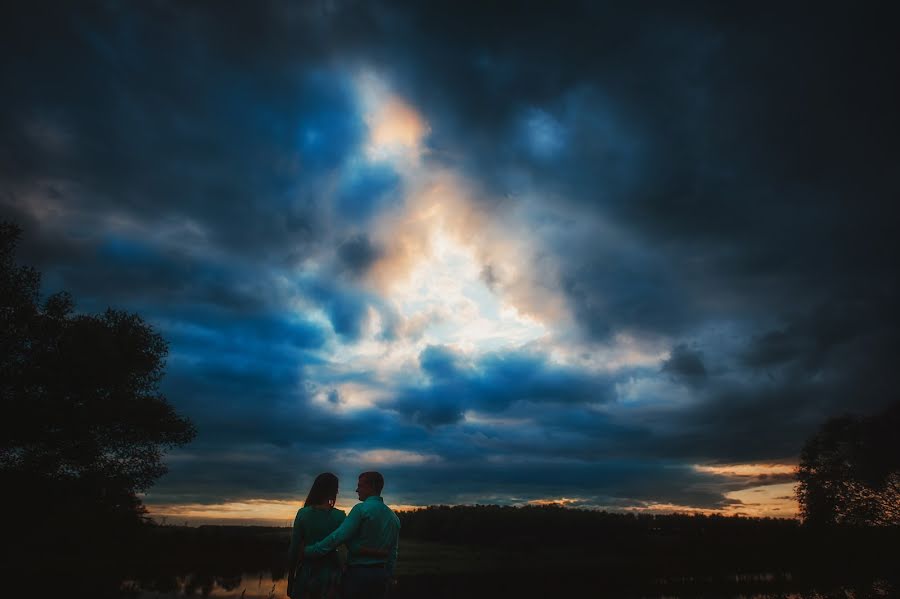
x,y
557,525
660,546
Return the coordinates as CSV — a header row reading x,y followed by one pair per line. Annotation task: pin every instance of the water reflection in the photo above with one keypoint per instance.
x,y
242,586
255,585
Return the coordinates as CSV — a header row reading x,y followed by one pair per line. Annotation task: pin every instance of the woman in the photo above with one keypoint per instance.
x,y
318,578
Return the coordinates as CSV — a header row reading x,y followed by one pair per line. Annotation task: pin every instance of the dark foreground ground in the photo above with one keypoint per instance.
x,y
550,552
472,553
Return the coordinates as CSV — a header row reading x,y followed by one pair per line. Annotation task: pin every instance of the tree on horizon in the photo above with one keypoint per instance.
x,y
84,425
849,471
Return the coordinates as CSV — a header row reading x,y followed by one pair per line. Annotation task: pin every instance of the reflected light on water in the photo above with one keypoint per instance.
x,y
250,586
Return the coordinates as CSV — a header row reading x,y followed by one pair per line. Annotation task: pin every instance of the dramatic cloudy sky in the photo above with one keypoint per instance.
x,y
617,256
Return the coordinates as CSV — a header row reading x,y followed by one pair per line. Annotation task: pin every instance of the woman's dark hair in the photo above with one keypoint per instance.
x,y
323,489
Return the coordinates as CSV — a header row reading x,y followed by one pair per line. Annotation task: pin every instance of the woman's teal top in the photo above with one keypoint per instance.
x,y
320,575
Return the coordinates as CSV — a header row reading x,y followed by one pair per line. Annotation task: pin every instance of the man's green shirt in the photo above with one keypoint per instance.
x,y
370,524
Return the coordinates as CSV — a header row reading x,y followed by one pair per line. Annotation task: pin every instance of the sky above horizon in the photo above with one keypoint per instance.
x,y
608,256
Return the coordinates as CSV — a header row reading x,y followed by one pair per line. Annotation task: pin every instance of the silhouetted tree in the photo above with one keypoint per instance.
x,y
850,471
83,424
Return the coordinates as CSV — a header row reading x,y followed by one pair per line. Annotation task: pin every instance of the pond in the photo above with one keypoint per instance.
x,y
249,585
766,585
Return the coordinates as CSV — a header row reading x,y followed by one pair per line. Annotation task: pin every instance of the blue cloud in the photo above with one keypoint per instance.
x,y
492,384
365,189
439,362
329,125
544,135
211,331
357,254
347,306
128,250
346,309
686,364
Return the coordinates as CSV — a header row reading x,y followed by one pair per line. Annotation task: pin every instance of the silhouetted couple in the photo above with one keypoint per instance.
x,y
370,533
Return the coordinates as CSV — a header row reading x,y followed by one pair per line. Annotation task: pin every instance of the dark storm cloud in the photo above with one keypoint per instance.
x,y
749,154
618,483
347,307
367,189
212,162
492,384
440,363
744,155
161,118
178,160
357,254
686,364
809,340
132,272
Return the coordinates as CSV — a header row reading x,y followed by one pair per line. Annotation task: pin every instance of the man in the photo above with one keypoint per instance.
x,y
371,532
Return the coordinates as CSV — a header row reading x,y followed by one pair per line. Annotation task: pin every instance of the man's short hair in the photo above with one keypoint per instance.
x,y
375,480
